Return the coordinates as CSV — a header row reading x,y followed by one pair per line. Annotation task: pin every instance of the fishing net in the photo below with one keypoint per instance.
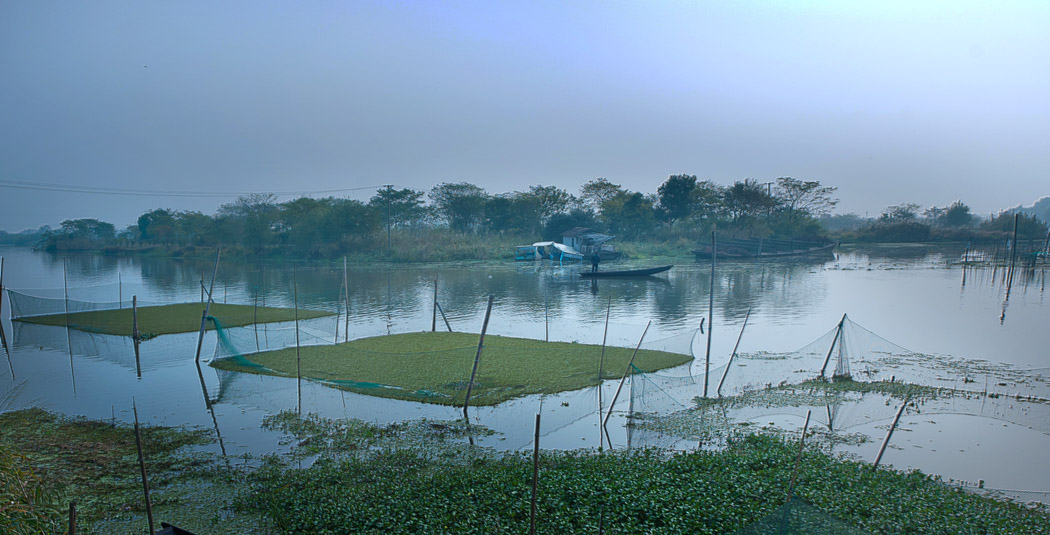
x,y
800,517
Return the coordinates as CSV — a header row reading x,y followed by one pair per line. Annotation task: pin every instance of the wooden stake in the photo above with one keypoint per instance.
x,y
546,319
710,315
3,336
120,291
346,303
207,306
443,317
798,459
718,391
72,518
135,318
477,357
298,362
838,333
889,433
434,316
625,373
535,476
601,360
142,467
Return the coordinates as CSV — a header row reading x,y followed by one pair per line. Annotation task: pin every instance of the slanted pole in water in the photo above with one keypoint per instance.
x,y
798,458
625,373
601,360
710,316
1013,256
3,336
886,441
135,318
535,476
444,318
207,306
434,313
838,333
298,362
477,357
346,303
718,391
142,468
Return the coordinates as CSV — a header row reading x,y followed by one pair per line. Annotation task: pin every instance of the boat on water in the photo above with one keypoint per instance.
x,y
764,248
644,272
547,250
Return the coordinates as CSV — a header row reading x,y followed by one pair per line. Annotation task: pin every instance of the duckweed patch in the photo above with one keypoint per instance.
x,y
436,367
170,319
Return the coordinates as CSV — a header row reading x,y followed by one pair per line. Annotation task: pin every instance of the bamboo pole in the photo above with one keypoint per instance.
x,y
838,332
625,373
886,441
338,312
601,360
3,336
69,341
443,317
798,459
298,361
207,306
72,518
477,357
546,319
718,391
346,303
142,468
434,315
135,318
1013,255
535,476
120,291
710,315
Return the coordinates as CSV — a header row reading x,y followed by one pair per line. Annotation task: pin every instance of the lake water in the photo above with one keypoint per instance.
x,y
915,297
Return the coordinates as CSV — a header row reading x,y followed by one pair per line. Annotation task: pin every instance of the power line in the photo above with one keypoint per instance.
x,y
102,190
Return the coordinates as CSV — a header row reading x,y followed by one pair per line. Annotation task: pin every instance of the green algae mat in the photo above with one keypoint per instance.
x,y
170,319
435,367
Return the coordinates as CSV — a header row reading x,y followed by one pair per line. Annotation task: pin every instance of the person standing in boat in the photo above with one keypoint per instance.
x,y
595,258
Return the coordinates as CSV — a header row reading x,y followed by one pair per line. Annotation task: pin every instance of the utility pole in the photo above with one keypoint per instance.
x,y
388,199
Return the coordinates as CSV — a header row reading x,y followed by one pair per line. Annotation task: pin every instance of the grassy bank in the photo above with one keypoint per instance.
x,y
95,465
170,319
436,367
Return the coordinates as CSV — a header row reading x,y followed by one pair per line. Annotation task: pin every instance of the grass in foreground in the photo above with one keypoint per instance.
x,y
703,492
95,464
170,319
436,367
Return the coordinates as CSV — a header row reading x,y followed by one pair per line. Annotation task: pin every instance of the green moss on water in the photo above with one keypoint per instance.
x,y
436,367
170,319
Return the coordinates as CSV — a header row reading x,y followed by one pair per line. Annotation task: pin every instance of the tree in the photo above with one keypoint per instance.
x,y
899,212
958,215
460,204
747,199
549,200
677,197
595,192
251,220
157,226
404,207
1028,226
629,213
801,198
518,212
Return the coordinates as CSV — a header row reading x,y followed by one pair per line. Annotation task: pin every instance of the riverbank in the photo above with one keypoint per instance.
x,y
421,476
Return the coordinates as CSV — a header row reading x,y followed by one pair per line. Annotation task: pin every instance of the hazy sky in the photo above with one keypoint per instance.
x,y
890,101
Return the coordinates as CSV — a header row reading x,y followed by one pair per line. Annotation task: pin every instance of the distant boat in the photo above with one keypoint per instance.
x,y
763,248
547,250
625,273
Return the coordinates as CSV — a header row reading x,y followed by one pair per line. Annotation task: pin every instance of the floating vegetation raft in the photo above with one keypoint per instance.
x,y
436,367
169,319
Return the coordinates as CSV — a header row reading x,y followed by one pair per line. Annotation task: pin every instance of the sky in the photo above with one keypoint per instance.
x,y
110,109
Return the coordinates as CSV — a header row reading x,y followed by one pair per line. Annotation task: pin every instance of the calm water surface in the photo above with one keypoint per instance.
x,y
911,296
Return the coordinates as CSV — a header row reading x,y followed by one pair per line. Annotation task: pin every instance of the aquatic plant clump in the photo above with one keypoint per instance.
x,y
436,367
169,319
701,492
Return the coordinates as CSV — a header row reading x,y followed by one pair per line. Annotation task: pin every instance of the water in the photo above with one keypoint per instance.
x,y
911,296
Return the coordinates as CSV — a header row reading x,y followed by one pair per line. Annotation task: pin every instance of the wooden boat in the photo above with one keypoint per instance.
x,y
625,273
762,248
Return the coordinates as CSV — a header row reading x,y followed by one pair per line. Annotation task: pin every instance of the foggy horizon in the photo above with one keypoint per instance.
x,y
889,102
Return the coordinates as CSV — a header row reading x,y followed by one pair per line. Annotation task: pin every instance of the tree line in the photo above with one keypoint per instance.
x,y
682,208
